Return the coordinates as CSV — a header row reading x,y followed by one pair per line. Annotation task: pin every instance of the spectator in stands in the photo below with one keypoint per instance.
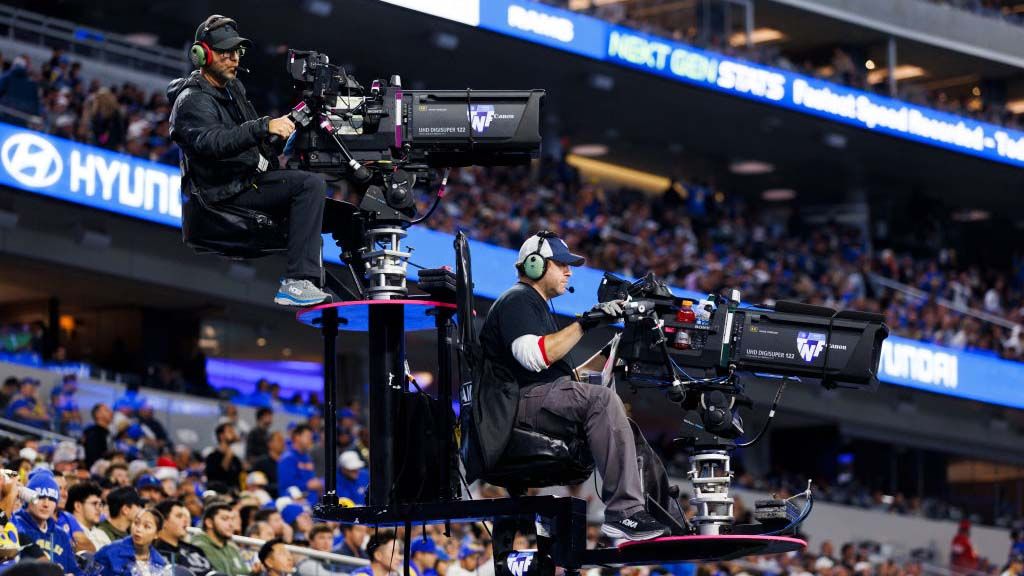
x,y
85,503
295,468
134,554
962,555
298,518
276,559
19,94
321,537
1015,567
256,440
260,531
123,504
35,522
150,489
273,518
267,464
26,409
65,458
97,436
147,419
117,475
215,541
353,479
66,521
424,555
103,122
172,542
8,391
385,555
353,542
222,465
469,561
65,406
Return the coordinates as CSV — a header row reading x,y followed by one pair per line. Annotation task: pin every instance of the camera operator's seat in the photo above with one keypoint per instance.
x,y
231,231
531,459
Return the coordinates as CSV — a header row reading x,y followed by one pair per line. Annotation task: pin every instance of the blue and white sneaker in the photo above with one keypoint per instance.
x,y
300,293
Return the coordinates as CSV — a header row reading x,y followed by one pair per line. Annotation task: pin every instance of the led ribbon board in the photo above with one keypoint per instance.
x,y
600,40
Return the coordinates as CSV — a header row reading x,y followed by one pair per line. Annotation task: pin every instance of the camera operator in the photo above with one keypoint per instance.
x,y
521,335
227,159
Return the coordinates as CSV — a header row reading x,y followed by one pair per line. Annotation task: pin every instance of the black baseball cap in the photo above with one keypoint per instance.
x,y
221,37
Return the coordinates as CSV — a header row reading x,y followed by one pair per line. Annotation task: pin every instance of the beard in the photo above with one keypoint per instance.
x,y
222,74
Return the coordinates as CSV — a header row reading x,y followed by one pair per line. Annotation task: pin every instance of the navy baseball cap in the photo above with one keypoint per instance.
x,y
424,545
551,247
148,481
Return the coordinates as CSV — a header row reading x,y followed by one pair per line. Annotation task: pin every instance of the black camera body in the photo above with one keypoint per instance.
x,y
839,348
424,128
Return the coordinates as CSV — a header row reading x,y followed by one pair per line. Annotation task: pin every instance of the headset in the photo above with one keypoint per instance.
x,y
200,53
535,265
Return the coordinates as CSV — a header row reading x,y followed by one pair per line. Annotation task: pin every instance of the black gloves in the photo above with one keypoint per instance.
x,y
602,313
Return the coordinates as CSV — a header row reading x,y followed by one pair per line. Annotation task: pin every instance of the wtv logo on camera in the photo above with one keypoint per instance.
x,y
810,345
481,116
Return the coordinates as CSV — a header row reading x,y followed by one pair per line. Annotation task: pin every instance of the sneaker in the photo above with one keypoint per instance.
x,y
299,293
639,526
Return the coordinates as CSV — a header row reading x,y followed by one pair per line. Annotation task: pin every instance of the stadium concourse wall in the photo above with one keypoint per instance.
x,y
189,420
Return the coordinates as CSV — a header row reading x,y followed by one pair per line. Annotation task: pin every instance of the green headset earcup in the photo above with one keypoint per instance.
x,y
534,266
197,54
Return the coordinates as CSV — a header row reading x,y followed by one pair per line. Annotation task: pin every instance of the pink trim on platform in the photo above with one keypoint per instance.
x,y
428,303
699,537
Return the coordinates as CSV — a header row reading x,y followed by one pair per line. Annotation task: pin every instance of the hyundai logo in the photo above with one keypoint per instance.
x,y
31,160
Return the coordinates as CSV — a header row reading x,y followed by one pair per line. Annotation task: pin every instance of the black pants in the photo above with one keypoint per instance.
x,y
299,197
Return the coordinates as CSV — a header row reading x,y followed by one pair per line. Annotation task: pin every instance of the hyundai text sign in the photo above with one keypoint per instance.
x,y
967,375
88,175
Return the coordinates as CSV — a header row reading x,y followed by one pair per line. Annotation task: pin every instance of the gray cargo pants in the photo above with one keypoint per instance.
x,y
562,407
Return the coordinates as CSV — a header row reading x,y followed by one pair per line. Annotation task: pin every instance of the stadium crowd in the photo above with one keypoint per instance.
x,y
693,235
126,500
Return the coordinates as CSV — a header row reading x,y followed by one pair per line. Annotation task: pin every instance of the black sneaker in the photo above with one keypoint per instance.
x,y
639,526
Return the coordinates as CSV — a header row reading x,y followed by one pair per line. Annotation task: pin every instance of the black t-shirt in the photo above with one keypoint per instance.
x,y
520,311
186,555
215,472
96,443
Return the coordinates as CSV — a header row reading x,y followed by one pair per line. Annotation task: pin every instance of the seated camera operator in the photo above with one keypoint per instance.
x,y
227,159
520,334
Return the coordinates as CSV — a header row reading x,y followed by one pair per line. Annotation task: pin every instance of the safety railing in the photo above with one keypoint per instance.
x,y
30,27
923,296
299,550
28,430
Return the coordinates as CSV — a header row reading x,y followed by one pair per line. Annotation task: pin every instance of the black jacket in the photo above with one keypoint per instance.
x,y
220,137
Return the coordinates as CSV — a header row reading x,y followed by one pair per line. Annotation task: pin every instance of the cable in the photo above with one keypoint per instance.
x,y
768,421
437,198
803,514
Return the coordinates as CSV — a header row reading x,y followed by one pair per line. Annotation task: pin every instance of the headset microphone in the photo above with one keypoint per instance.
x,y
243,69
570,289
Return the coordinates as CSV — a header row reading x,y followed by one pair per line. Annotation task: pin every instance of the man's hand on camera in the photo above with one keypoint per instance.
x,y
602,313
282,127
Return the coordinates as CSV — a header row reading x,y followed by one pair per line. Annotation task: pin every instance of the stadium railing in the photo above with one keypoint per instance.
x,y
26,26
256,543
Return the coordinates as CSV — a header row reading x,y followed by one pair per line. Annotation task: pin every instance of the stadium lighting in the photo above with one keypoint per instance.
x,y
599,170
870,64
589,150
758,36
903,72
751,167
778,194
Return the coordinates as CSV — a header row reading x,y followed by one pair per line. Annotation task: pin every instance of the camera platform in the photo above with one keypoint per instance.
x,y
417,314
706,548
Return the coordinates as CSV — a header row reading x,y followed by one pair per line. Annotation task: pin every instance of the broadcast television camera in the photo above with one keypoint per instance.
x,y
383,139
839,348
